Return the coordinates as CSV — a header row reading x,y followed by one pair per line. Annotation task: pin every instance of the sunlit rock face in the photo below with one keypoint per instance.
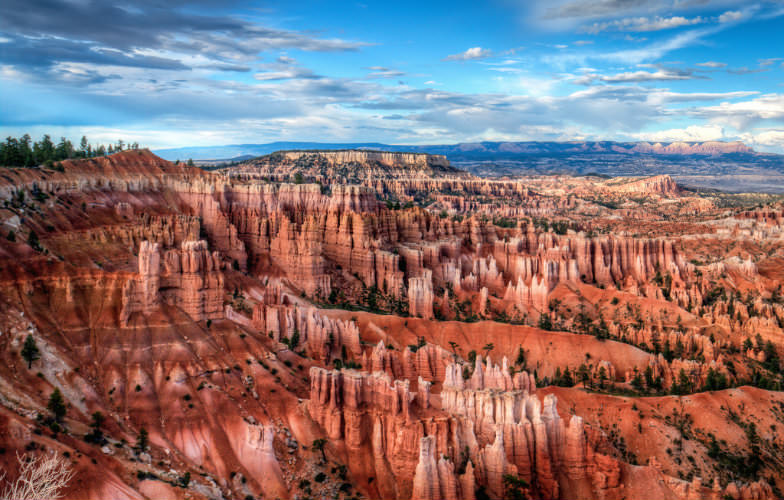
x,y
402,330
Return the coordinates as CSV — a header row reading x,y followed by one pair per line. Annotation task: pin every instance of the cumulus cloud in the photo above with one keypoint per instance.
x,y
472,54
766,138
693,133
743,114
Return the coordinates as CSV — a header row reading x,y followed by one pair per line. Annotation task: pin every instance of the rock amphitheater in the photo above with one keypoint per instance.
x,y
385,326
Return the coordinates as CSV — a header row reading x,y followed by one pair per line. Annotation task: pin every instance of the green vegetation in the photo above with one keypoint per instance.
x,y
143,441
57,406
318,445
30,351
23,152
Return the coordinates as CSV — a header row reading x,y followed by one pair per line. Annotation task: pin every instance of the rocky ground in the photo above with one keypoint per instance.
x,y
368,325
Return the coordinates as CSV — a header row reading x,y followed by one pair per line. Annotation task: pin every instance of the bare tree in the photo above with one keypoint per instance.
x,y
40,478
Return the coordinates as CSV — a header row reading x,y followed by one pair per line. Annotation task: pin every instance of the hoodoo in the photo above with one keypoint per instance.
x,y
415,333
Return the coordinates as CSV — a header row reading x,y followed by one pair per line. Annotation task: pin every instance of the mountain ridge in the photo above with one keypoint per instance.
x,y
495,148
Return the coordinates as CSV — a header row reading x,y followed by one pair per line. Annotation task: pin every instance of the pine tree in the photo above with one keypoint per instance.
x,y
57,405
84,147
520,357
30,351
567,379
318,445
602,376
637,381
143,441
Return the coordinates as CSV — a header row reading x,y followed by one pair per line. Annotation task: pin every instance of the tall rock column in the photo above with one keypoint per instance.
x,y
150,273
420,295
426,484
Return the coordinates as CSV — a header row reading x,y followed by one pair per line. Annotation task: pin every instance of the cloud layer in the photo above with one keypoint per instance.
x,y
210,72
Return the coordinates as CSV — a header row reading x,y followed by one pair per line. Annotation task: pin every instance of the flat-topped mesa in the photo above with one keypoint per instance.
x,y
189,278
387,158
692,148
348,166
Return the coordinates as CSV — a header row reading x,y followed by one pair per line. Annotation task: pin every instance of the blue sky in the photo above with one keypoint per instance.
x,y
212,72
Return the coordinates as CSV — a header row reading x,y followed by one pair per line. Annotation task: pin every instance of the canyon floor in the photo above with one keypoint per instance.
x,y
356,324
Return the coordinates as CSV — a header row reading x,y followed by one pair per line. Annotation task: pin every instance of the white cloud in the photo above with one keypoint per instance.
x,y
642,24
766,138
768,62
731,16
692,133
635,76
384,72
712,64
744,113
472,54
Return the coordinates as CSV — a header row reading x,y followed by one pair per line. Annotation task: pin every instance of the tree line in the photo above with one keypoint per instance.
x,y
23,152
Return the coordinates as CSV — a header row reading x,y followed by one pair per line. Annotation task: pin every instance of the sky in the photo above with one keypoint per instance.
x,y
215,72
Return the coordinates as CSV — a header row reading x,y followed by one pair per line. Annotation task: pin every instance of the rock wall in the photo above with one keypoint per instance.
x,y
189,278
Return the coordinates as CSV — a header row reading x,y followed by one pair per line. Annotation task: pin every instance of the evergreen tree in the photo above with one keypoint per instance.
x,y
44,150
32,240
567,379
602,376
64,150
84,147
26,150
683,385
30,351
57,405
637,382
318,445
487,348
143,441
520,357
582,373
649,382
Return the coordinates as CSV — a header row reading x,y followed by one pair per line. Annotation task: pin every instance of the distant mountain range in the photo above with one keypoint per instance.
x,y
478,151
730,166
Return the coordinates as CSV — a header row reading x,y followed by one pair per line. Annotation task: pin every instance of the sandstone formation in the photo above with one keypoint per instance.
x,y
240,319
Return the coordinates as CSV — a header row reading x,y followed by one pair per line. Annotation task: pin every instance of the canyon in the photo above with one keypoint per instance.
x,y
368,324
